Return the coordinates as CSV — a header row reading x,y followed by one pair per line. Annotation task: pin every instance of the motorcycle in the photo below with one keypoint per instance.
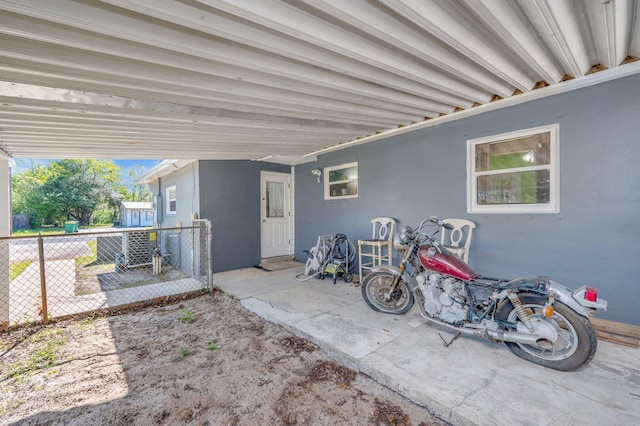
x,y
539,319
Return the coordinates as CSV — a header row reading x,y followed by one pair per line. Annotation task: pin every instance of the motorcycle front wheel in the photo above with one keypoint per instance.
x,y
377,292
576,343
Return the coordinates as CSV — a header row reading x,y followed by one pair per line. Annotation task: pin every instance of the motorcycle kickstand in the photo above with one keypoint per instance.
x,y
446,345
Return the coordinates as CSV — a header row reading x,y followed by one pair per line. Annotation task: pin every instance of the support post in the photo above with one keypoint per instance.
x,y
5,231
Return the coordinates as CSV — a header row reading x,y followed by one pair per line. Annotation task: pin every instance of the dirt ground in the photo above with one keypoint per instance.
x,y
202,361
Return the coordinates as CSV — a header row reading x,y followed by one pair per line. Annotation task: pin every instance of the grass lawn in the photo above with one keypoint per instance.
x,y
16,268
36,231
92,258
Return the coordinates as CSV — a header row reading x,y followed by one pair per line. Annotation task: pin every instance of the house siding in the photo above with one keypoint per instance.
x,y
230,198
593,240
187,204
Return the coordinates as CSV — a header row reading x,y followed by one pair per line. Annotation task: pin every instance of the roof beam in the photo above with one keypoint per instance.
x,y
172,38
25,97
507,25
333,86
611,24
289,20
558,25
137,77
239,107
461,34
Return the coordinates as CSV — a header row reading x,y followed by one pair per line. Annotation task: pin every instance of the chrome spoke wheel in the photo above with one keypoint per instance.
x,y
380,294
567,339
564,345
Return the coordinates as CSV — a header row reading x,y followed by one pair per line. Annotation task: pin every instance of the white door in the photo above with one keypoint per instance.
x,y
275,214
135,218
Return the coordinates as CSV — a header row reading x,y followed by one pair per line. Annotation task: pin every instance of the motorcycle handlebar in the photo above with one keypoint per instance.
x,y
433,220
417,234
438,222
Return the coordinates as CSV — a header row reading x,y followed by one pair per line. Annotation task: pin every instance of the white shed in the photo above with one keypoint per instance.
x,y
136,213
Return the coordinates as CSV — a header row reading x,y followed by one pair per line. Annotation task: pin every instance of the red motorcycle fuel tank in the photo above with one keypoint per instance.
x,y
445,263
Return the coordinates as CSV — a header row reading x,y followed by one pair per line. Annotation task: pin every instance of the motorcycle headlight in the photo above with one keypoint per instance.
x,y
406,235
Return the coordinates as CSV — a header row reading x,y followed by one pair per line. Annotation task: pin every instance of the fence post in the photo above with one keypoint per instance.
x,y
43,281
5,282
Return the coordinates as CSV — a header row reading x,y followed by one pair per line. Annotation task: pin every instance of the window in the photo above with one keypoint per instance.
x,y
275,199
341,181
171,200
514,172
148,216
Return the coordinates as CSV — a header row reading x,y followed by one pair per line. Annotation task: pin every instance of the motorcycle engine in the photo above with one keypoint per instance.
x,y
444,297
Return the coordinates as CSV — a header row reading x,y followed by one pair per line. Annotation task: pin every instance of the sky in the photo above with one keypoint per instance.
x,y
138,165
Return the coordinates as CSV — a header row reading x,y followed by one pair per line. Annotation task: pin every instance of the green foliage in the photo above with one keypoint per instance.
x,y
64,190
212,346
81,186
185,352
134,191
104,216
46,352
89,191
10,405
28,195
86,322
187,315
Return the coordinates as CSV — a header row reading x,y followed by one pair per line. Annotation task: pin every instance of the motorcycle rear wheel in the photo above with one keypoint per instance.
x,y
376,288
575,346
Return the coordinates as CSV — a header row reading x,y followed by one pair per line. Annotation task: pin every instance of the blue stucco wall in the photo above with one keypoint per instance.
x,y
230,198
186,205
594,239
185,181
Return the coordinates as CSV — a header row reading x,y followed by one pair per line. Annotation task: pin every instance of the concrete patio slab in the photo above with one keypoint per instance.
x,y
471,382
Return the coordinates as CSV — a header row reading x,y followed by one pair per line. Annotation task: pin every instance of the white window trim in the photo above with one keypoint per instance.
x,y
554,173
327,184
168,204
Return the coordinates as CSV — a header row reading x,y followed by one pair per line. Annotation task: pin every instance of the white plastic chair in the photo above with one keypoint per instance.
x,y
458,239
374,249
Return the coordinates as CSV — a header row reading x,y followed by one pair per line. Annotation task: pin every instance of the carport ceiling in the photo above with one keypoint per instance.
x,y
233,79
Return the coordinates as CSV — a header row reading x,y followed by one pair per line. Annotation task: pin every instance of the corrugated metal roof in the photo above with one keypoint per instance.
x,y
223,79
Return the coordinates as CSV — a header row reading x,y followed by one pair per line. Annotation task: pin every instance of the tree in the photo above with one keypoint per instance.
x,y
66,189
30,197
136,191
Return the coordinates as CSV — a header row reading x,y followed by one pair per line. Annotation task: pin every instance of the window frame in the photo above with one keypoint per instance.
x,y
327,184
554,173
169,200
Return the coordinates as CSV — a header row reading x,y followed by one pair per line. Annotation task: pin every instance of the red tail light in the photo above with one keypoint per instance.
x,y
591,294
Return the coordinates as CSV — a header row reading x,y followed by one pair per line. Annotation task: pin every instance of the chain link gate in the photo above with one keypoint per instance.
x,y
53,276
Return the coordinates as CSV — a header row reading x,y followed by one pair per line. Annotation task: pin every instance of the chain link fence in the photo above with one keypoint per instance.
x,y
53,276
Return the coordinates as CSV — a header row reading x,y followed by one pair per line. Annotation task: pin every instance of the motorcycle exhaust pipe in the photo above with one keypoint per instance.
x,y
510,336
